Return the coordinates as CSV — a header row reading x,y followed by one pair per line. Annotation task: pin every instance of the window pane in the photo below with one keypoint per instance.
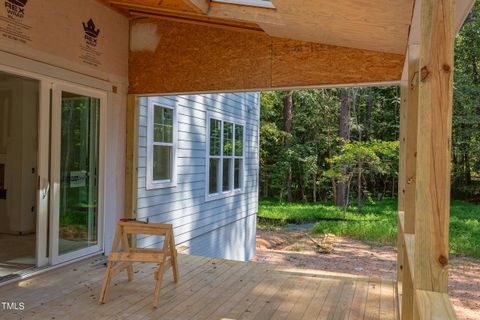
x,y
237,174
227,139
238,140
227,163
163,124
213,176
215,136
161,162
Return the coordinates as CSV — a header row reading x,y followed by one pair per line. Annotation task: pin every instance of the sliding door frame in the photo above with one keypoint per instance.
x,y
55,164
48,76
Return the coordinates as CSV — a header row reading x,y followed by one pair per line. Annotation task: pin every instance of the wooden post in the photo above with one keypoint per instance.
x,y
411,139
432,190
131,158
402,138
409,115
401,178
425,160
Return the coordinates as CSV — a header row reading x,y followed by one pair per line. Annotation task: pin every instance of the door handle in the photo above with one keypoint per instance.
x,y
46,188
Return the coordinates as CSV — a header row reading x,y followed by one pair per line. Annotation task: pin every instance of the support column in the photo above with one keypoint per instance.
x,y
425,161
432,190
401,172
401,255
131,158
410,114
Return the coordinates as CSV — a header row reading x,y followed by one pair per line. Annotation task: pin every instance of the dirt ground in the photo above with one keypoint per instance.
x,y
290,247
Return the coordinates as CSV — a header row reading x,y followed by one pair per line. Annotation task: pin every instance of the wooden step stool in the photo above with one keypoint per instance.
x,y
121,260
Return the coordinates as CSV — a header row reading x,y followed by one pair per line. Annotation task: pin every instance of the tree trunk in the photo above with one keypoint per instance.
x,y
468,173
359,194
368,114
289,185
340,192
360,164
348,194
287,127
265,185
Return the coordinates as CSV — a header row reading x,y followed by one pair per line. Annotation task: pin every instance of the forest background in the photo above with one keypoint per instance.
x,y
342,144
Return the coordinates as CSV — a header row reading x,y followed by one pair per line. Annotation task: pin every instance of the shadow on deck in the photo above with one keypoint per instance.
x,y
208,289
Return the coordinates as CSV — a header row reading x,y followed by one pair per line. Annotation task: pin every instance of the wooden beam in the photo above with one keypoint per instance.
x,y
195,58
432,196
201,6
196,21
183,16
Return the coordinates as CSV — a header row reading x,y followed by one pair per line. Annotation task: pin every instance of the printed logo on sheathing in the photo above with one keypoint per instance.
x,y
13,21
90,52
16,8
91,32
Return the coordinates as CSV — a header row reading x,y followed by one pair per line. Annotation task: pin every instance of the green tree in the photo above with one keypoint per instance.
x,y
466,106
364,159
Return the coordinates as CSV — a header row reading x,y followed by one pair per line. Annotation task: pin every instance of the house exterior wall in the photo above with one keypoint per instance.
x,y
224,227
48,38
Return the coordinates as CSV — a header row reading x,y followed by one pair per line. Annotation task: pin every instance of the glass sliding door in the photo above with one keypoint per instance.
x,y
20,209
76,213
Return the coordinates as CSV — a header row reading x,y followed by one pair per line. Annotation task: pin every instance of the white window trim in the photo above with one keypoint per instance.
x,y
232,192
251,3
158,184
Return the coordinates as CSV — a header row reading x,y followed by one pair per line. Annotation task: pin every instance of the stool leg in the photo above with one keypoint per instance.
x,y
130,272
158,284
173,258
126,248
106,283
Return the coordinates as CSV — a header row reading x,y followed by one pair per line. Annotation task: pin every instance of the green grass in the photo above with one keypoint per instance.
x,y
377,223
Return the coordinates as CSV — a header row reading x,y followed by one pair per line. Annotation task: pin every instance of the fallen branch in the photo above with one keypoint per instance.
x,y
326,246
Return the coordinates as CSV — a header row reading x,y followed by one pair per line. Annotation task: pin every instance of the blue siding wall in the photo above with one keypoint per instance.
x,y
223,228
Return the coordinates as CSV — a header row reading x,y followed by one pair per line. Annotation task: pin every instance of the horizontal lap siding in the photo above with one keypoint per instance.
x,y
223,228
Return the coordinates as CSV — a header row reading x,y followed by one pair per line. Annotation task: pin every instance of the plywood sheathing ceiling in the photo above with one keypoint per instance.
x,y
198,58
377,25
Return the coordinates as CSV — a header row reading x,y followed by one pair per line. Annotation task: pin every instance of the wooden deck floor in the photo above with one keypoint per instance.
x,y
208,289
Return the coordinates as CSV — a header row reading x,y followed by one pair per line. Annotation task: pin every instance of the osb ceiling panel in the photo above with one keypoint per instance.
x,y
197,58
378,25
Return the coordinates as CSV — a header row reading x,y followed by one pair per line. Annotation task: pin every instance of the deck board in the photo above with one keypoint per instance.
x,y
208,289
357,309
372,308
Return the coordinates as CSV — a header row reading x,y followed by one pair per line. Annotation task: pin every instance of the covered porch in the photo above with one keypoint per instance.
x,y
208,289
283,47
203,46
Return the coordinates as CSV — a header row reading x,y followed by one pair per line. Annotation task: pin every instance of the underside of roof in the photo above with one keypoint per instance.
x,y
378,25
261,44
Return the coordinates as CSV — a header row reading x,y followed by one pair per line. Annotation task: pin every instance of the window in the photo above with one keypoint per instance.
x,y
225,157
161,143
